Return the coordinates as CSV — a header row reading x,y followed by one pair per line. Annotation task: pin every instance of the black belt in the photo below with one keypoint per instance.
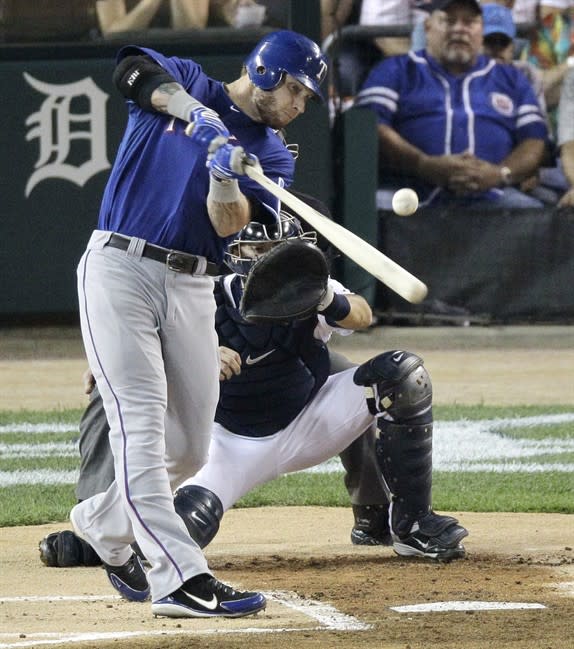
x,y
180,262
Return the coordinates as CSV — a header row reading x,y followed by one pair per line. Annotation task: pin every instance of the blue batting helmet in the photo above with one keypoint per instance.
x,y
286,52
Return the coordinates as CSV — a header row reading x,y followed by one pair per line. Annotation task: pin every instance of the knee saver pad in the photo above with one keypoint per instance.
x,y
399,385
201,511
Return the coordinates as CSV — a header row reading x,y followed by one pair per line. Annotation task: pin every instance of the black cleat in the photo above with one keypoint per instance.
x,y
433,537
205,596
371,525
129,580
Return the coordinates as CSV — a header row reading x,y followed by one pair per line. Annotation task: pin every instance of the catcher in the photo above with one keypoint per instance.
x,y
281,407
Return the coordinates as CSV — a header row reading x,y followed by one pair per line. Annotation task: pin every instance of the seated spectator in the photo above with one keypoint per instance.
x,y
566,136
48,20
499,32
551,44
334,15
134,15
452,123
395,13
236,13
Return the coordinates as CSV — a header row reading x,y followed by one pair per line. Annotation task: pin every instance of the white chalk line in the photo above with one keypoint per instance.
x,y
61,639
440,607
328,617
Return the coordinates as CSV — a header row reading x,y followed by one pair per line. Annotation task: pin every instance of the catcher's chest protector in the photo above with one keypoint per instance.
x,y
276,359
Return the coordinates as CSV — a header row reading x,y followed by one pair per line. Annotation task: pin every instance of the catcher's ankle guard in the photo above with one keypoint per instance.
x,y
201,511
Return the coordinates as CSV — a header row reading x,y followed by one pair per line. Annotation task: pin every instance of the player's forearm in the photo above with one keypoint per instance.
x,y
162,95
227,217
346,310
360,316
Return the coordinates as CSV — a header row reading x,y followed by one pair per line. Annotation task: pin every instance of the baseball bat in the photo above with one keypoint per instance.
x,y
362,253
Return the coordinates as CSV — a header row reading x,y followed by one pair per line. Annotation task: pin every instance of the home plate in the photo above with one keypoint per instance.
x,y
464,606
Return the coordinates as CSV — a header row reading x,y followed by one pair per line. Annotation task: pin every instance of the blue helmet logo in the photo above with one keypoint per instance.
x,y
286,52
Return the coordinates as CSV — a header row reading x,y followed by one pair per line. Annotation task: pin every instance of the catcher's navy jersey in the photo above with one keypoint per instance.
x,y
487,111
136,194
283,367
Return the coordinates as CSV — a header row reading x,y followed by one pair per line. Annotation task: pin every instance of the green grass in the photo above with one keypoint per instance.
x,y
486,491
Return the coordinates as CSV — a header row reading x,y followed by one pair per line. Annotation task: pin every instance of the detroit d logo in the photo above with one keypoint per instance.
x,y
72,145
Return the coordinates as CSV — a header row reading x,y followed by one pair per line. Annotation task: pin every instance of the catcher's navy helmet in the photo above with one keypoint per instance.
x,y
255,239
286,52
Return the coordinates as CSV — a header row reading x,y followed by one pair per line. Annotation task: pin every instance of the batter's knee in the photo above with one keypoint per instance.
x,y
397,383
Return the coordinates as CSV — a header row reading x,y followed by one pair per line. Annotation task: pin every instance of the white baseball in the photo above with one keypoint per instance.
x,y
405,202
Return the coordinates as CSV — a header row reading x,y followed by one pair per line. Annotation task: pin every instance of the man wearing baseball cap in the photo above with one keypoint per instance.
x,y
452,123
443,5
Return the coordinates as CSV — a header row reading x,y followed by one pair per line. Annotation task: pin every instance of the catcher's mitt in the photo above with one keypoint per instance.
x,y
286,283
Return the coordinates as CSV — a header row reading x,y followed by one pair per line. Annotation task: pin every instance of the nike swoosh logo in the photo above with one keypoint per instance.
x,y
252,361
198,518
234,109
423,546
397,357
210,605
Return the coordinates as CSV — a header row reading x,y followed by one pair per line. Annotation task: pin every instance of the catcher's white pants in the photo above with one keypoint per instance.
x,y
336,417
149,335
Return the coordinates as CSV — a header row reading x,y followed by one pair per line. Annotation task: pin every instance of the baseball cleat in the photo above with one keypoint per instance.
x,y
359,537
427,548
371,525
205,596
129,580
433,537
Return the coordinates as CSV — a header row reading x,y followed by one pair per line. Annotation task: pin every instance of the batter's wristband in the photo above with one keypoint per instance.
x,y
223,191
180,104
338,310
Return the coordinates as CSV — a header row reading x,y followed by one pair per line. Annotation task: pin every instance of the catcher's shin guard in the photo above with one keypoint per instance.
x,y
201,511
399,392
404,454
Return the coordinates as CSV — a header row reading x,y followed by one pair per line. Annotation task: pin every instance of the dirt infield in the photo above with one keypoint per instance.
x,y
323,591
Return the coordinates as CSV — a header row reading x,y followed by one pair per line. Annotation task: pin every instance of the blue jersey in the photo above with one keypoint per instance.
x,y
488,111
158,186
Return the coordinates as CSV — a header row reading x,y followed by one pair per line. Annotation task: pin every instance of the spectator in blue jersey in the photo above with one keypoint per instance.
x,y
452,123
177,191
